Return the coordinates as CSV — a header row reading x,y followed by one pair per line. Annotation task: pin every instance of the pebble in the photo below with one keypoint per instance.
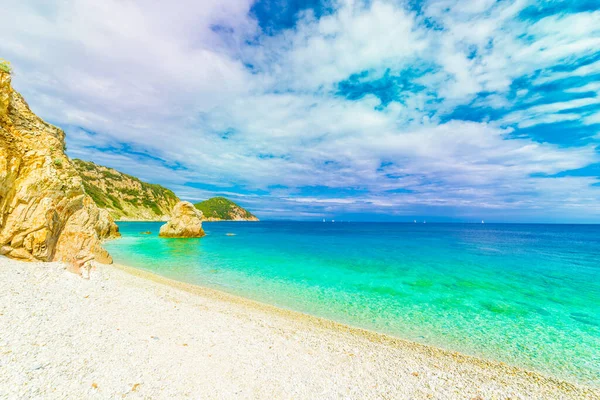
x,y
234,348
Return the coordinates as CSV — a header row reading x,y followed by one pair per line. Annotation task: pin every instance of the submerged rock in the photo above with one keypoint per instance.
x,y
45,213
186,222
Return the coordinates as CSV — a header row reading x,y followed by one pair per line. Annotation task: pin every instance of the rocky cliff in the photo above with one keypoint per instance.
x,y
124,196
222,209
45,213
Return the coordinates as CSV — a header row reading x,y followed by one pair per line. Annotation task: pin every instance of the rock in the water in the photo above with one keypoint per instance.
x,y
45,214
186,222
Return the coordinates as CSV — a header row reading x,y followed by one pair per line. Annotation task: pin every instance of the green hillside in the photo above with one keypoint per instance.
x,y
124,196
222,209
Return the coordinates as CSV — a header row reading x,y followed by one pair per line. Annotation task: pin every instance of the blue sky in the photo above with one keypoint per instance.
x,y
366,110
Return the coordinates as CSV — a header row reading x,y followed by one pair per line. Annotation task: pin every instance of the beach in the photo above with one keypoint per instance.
x,y
125,333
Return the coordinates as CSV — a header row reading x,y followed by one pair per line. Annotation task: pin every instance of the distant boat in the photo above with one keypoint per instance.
x,y
333,220
482,222
323,219
415,221
424,222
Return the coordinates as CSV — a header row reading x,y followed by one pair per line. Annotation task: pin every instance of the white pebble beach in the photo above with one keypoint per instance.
x,y
125,333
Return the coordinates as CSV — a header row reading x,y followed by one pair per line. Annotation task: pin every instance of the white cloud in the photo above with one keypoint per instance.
x,y
547,119
352,40
550,112
583,71
563,105
161,81
592,119
590,87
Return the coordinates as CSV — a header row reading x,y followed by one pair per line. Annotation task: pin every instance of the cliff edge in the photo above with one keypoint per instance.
x,y
45,214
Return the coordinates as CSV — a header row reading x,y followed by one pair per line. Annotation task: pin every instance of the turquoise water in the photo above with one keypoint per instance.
x,y
528,295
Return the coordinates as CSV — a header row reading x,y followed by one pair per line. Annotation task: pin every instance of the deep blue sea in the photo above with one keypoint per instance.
x,y
528,295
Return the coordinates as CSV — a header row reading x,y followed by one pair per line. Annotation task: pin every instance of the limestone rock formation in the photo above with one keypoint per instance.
x,y
125,197
45,214
186,222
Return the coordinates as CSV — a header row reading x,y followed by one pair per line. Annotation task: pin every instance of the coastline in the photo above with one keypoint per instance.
x,y
166,218
278,352
327,324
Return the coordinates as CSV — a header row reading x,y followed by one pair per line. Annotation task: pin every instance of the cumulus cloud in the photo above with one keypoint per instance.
x,y
421,110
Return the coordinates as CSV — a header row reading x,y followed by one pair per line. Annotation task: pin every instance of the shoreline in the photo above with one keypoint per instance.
x,y
327,324
203,220
130,332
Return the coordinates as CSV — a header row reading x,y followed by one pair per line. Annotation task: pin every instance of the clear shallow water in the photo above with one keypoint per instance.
x,y
528,295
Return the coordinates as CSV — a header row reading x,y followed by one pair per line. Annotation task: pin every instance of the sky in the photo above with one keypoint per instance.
x,y
445,110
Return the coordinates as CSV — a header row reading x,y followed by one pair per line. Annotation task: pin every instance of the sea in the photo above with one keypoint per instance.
x,y
524,294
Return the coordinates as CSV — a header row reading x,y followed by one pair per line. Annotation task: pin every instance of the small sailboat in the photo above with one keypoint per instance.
x,y
482,222
323,219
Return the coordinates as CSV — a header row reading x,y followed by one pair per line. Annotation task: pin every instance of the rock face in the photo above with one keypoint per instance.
x,y
45,214
124,196
186,222
222,209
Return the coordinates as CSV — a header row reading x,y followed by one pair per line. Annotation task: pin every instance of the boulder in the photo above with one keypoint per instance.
x,y
185,222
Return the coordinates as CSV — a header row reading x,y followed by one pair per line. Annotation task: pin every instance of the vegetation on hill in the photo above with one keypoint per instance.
x,y
222,209
123,195
126,197
5,66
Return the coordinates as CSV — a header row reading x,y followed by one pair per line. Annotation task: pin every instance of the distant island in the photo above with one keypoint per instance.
x,y
222,209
